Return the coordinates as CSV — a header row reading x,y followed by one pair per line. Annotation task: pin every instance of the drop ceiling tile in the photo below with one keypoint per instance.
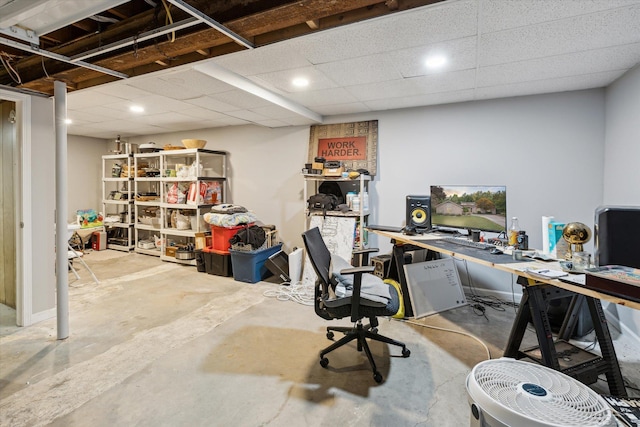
x,y
348,108
420,100
89,98
497,15
381,90
82,116
398,31
586,81
213,104
202,113
454,81
460,54
153,104
282,80
241,99
247,115
105,114
230,121
265,59
164,119
189,78
299,121
361,70
580,33
588,62
272,123
121,90
322,97
274,112
159,86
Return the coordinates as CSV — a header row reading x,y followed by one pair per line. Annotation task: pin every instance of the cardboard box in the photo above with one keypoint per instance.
x,y
317,165
333,172
171,251
558,247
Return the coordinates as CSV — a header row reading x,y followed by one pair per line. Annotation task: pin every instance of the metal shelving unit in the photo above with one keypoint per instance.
x,y
117,200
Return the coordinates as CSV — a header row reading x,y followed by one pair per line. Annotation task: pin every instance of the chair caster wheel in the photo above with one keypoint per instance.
x,y
377,377
324,362
329,335
406,352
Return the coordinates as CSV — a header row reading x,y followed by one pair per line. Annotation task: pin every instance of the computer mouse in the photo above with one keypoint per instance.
x,y
496,251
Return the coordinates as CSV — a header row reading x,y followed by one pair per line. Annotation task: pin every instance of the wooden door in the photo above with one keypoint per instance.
x,y
8,155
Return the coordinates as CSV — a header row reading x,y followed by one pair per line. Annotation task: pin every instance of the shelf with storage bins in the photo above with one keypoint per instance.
x,y
117,200
193,180
147,211
359,203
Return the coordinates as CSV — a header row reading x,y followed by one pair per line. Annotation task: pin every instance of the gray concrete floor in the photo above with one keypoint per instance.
x,y
159,344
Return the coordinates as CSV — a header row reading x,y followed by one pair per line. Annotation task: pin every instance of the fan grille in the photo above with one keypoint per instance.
x,y
566,402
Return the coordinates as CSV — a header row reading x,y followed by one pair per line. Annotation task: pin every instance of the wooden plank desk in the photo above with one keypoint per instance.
x,y
559,355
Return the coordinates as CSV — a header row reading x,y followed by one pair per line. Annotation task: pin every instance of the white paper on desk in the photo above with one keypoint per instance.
x,y
543,272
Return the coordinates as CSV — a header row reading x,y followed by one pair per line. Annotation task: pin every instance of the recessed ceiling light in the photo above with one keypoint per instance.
x,y
300,82
136,109
435,61
68,121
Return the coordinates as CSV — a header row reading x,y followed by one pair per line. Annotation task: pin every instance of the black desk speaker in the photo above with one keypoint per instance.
x,y
419,212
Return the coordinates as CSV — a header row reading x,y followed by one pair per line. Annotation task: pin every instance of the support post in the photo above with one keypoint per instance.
x,y
62,259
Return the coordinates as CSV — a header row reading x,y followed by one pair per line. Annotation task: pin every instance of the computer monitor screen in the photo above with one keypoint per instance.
x,y
470,207
617,236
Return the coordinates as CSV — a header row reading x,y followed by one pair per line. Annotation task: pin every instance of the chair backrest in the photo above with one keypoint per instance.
x,y
318,253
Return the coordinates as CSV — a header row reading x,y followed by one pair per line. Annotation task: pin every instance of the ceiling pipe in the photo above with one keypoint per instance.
x,y
212,23
61,58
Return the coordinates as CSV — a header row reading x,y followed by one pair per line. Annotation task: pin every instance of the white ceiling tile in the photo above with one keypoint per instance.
x,y
589,62
497,15
158,85
420,100
282,80
400,30
202,113
460,54
454,81
274,112
272,123
389,89
322,97
265,59
247,115
152,104
364,69
89,98
580,33
230,121
335,109
164,119
587,81
299,121
121,90
107,114
187,79
213,104
241,99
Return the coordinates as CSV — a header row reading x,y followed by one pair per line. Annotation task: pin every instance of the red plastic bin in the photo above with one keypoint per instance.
x,y
220,236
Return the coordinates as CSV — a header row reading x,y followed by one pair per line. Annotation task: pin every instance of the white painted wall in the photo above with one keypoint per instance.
x,y
84,175
43,203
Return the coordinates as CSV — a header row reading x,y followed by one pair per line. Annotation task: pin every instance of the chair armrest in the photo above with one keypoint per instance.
x,y
358,270
362,255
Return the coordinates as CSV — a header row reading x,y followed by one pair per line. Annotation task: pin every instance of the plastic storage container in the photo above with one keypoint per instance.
x,y
248,266
220,237
217,263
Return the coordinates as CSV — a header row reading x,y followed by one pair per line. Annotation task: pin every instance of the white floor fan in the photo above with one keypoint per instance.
x,y
508,392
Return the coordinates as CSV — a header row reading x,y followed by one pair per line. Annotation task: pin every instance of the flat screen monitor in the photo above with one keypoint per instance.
x,y
470,207
617,236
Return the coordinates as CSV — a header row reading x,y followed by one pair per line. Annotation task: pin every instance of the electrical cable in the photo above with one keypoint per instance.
x,y
15,76
449,330
297,292
169,20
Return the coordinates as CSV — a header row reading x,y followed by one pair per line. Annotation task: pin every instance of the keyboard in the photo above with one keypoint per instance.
x,y
468,243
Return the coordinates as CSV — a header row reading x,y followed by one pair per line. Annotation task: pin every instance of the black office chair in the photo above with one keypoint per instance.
x,y
330,307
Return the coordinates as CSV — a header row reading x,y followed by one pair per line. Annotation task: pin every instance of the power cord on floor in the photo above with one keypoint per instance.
x,y
449,330
297,292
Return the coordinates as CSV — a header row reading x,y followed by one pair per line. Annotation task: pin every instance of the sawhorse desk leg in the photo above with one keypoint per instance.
x,y
533,307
